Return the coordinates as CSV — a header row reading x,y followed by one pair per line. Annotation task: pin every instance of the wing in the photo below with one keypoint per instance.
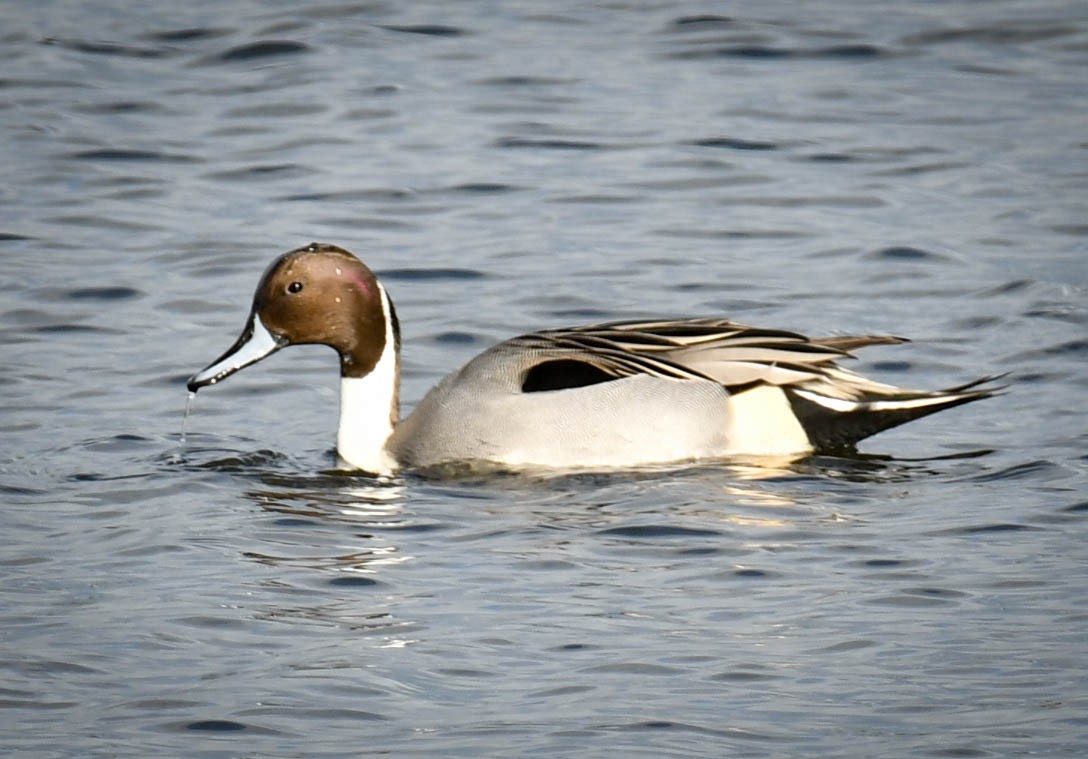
x,y
734,355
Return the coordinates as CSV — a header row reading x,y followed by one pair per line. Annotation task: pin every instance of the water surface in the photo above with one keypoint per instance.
x,y
831,167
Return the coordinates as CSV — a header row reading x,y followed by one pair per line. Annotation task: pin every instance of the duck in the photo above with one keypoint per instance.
x,y
621,394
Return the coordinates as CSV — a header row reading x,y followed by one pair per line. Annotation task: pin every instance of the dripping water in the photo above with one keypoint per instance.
x,y
185,419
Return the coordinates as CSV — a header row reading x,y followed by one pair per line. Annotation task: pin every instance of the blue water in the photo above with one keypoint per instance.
x,y
830,167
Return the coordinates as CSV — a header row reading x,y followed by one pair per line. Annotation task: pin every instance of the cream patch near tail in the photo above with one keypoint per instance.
x,y
762,422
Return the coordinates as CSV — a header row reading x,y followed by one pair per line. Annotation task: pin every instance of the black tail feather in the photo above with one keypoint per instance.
x,y
834,430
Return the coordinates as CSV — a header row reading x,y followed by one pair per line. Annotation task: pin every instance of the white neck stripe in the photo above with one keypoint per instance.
x,y
368,407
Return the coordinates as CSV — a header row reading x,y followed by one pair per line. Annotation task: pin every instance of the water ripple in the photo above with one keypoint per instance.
x,y
548,144
653,531
734,143
260,50
108,48
432,274
427,30
128,154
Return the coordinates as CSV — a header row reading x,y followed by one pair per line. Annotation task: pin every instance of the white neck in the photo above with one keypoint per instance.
x,y
368,408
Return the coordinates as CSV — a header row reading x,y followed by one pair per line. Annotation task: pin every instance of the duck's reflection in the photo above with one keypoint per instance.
x,y
354,518
329,497
334,545
327,539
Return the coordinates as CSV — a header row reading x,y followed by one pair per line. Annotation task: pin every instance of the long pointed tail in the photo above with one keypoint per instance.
x,y
835,423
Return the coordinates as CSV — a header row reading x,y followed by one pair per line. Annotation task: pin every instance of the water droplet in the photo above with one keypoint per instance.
x,y
188,410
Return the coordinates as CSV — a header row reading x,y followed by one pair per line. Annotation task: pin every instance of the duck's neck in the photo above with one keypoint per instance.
x,y
370,405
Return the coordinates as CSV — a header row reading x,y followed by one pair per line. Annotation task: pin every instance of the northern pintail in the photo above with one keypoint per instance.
x,y
621,394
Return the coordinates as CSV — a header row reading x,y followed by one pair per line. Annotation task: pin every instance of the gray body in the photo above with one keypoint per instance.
x,y
481,413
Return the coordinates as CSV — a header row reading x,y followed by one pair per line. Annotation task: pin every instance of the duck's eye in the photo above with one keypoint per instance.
x,y
294,287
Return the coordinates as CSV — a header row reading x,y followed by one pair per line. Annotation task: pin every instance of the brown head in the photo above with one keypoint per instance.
x,y
319,294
